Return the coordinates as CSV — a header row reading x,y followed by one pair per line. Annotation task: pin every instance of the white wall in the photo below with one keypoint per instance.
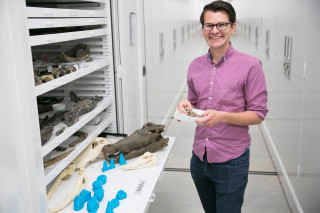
x,y
129,63
167,76
21,179
292,125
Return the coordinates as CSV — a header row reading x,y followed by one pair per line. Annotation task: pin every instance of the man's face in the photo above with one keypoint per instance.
x,y
218,40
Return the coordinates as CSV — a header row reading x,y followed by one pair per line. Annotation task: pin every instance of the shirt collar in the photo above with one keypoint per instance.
x,y
226,55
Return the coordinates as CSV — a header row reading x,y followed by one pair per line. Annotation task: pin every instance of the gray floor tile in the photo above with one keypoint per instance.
x,y
264,195
176,193
260,159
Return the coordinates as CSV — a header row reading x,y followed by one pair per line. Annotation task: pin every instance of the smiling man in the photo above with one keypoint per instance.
x,y
230,87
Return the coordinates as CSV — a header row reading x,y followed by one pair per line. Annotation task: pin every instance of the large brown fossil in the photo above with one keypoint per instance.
x,y
79,108
46,127
148,138
81,52
45,103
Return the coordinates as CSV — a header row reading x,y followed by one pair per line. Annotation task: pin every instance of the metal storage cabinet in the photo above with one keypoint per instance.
x,y
26,34
85,22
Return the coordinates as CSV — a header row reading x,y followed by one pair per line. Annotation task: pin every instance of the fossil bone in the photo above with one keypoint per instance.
x,y
191,113
56,159
46,128
148,159
46,78
78,187
82,136
64,70
148,138
80,107
89,154
81,52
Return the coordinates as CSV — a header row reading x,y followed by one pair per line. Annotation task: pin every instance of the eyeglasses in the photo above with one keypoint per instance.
x,y
220,26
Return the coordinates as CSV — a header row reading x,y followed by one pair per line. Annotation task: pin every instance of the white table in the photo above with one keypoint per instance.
x,y
138,184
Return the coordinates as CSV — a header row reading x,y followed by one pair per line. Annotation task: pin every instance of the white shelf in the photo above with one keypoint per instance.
x,y
36,23
60,37
39,12
93,131
83,119
119,180
91,67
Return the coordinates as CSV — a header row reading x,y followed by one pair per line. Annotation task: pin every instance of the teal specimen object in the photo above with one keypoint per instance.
x,y
99,193
115,203
96,185
112,166
85,195
78,203
93,205
105,166
122,161
109,207
121,195
102,179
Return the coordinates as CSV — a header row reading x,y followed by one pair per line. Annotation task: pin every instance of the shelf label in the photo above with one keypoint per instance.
x,y
140,186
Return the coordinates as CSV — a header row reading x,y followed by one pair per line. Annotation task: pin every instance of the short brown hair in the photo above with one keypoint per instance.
x,y
219,6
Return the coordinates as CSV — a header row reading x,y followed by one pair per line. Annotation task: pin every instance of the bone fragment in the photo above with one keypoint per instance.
x,y
82,136
60,149
90,153
140,138
60,131
148,159
153,147
79,186
56,159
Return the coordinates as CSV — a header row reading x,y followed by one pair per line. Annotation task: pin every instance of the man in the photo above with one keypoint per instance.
x,y
230,86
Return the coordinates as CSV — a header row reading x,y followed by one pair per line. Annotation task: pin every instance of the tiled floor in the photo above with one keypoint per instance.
x,y
176,193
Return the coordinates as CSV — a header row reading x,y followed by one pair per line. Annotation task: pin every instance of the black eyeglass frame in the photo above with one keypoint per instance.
x,y
212,25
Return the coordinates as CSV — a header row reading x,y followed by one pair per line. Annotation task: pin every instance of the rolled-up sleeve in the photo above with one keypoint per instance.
x,y
255,90
192,96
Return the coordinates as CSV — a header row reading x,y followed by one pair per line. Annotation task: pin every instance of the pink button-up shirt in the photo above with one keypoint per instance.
x,y
235,84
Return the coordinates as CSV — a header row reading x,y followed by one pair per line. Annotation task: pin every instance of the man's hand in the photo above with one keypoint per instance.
x,y
210,118
184,103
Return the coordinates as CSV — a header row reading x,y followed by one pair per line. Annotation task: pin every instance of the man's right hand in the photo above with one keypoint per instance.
x,y
184,103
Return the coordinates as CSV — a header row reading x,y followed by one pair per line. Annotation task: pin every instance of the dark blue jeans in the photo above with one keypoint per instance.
x,y
221,186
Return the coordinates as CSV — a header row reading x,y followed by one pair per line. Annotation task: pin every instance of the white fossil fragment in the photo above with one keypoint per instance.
x,y
148,159
78,187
